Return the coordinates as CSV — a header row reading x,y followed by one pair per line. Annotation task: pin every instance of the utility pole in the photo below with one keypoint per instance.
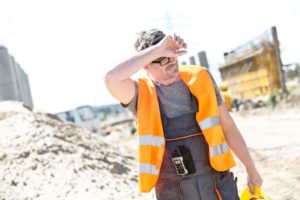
x,y
277,50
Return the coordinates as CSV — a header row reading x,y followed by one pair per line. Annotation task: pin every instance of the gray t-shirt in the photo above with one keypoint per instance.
x,y
175,99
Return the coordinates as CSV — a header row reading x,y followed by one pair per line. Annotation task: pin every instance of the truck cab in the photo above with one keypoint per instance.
x,y
83,116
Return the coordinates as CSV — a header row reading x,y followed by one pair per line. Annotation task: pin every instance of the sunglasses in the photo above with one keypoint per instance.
x,y
162,61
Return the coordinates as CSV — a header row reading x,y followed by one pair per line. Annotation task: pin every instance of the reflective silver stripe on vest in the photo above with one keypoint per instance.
x,y
150,140
219,149
209,122
146,168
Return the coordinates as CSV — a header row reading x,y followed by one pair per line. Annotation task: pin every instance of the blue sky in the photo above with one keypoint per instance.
x,y
66,46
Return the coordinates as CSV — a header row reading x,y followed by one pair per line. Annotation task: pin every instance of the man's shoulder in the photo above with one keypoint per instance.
x,y
191,68
144,82
193,71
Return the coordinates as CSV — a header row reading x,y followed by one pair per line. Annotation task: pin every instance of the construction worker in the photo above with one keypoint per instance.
x,y
184,130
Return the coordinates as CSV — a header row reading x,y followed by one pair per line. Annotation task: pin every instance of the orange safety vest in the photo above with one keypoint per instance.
x,y
150,135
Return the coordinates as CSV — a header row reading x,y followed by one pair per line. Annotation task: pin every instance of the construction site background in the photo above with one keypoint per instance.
x,y
89,152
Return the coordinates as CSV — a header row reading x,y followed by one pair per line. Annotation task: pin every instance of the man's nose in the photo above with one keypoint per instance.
x,y
173,60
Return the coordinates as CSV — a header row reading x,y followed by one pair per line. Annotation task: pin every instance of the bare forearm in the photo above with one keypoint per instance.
x,y
236,141
118,80
132,65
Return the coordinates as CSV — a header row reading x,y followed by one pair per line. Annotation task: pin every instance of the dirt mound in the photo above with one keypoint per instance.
x,y
43,157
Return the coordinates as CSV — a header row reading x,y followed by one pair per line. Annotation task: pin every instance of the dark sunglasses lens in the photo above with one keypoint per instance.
x,y
156,61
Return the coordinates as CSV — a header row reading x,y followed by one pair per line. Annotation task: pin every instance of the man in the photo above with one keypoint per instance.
x,y
184,130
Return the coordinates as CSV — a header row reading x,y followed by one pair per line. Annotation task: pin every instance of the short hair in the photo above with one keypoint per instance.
x,y
148,38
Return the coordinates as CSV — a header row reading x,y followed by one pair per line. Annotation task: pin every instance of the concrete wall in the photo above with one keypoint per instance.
x,y
203,59
14,84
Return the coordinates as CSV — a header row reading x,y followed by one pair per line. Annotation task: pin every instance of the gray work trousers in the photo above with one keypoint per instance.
x,y
202,185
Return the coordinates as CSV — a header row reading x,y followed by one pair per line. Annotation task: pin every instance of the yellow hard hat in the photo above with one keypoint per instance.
x,y
258,194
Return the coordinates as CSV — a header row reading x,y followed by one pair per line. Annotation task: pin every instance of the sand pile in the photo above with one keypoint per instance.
x,y
43,157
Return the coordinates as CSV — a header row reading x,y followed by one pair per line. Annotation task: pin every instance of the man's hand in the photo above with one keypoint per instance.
x,y
254,178
171,46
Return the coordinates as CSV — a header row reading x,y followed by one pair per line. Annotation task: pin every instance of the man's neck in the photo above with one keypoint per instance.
x,y
166,81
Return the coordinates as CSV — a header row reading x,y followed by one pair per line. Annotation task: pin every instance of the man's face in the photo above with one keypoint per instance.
x,y
164,68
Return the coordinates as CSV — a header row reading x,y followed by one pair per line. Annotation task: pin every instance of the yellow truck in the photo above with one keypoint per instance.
x,y
254,70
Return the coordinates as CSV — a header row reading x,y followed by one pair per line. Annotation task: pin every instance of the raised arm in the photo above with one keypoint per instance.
x,y
118,80
239,147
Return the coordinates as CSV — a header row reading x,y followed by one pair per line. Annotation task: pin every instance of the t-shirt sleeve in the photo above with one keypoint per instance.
x,y
132,105
218,93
